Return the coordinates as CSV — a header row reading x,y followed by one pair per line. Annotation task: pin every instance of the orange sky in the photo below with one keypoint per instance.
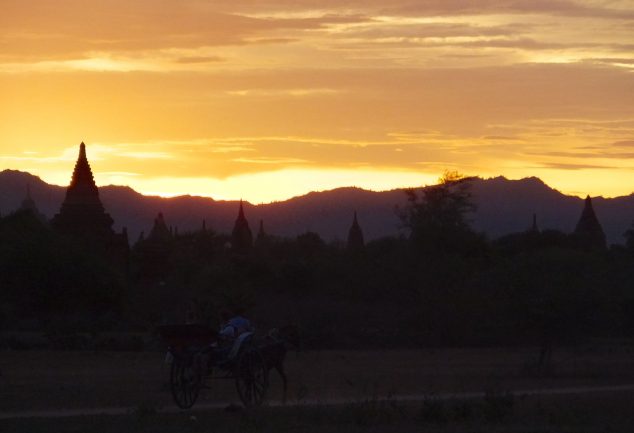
x,y
264,100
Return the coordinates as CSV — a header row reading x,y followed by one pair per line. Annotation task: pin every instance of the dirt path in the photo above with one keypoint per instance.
x,y
317,402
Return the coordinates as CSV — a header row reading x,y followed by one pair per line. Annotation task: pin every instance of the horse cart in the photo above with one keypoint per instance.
x,y
197,356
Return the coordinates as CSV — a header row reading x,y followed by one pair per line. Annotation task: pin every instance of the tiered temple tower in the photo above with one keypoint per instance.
x,y
241,236
355,235
588,233
82,213
83,217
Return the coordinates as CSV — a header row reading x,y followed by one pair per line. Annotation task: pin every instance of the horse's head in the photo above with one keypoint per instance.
x,y
287,334
290,335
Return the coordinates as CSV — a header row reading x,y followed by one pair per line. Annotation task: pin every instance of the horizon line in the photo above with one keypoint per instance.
x,y
164,195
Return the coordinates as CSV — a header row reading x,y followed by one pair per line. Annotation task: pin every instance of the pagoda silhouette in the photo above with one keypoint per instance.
x,y
28,205
241,236
355,235
153,252
588,233
160,233
83,217
262,237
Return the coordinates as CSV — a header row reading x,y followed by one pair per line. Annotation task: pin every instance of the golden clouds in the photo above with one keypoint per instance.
x,y
243,93
193,35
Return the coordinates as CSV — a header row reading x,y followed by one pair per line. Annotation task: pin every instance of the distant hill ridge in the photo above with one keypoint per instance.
x,y
504,206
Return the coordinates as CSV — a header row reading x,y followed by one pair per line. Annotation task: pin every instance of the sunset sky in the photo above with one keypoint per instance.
x,y
264,100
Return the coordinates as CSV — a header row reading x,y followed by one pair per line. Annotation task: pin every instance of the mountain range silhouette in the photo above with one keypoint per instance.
x,y
504,206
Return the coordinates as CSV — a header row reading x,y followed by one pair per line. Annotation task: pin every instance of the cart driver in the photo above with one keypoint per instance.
x,y
234,325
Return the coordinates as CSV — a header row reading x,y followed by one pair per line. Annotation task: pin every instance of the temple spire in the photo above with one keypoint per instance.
x,y
160,232
588,232
355,235
241,212
241,236
81,212
83,181
28,204
534,228
261,237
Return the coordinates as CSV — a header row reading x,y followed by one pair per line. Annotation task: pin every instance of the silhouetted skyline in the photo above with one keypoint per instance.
x,y
504,206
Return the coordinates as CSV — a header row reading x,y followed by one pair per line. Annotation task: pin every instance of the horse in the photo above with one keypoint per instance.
x,y
277,343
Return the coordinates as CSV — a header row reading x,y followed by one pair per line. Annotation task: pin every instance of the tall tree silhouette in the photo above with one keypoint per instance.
x,y
437,215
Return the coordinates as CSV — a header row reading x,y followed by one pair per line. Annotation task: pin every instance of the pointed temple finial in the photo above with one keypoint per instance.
x,y
534,227
241,211
241,236
261,237
28,202
355,235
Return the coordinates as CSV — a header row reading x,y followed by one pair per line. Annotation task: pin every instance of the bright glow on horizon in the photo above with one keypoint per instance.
x,y
266,187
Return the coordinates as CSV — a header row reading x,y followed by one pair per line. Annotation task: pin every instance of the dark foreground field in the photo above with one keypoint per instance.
x,y
366,380
496,413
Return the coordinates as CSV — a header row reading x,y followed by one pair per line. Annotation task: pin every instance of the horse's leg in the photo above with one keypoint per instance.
x,y
279,367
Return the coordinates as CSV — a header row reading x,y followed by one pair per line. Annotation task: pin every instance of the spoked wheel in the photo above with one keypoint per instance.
x,y
185,381
252,380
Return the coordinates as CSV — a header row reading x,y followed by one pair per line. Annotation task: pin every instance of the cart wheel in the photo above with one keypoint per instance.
x,y
252,379
184,382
